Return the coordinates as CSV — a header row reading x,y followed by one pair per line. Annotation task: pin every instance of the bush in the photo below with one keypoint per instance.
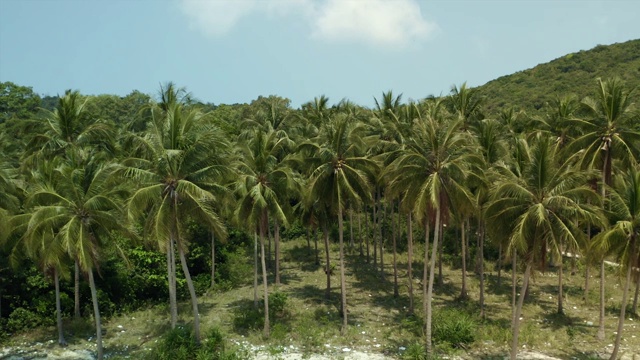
x,y
247,317
237,270
21,319
453,328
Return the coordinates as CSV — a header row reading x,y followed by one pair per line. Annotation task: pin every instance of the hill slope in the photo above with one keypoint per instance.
x,y
573,73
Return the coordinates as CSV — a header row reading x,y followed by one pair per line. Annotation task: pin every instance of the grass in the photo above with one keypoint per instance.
x,y
378,322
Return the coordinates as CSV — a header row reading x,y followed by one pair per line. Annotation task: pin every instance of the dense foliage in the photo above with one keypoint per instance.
x,y
168,197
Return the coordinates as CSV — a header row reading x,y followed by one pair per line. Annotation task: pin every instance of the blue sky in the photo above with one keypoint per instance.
x,y
233,51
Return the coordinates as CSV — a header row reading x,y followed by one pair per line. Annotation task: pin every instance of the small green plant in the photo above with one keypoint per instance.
x,y
415,351
453,328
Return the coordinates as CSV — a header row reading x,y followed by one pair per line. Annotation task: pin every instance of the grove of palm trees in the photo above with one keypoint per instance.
x,y
321,227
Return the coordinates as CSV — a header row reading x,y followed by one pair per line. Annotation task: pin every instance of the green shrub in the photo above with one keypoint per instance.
x,y
453,328
237,269
177,344
21,319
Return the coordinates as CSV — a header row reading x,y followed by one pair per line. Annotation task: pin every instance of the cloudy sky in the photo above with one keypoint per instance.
x,y
230,51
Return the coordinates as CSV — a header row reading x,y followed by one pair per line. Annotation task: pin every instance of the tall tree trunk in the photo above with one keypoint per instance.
x,y
315,241
255,269
440,244
192,292
171,275
560,287
308,240
76,289
518,311
351,229
499,282
263,225
56,280
410,260
587,267
395,263
463,291
374,233
327,269
425,265
600,334
382,214
366,233
213,260
276,229
634,307
96,315
481,262
270,236
625,297
343,282
514,284
360,234
432,269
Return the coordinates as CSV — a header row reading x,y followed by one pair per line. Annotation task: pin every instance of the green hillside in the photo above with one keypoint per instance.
x,y
574,73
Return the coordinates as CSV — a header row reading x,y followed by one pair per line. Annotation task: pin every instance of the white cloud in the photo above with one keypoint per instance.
x,y
376,22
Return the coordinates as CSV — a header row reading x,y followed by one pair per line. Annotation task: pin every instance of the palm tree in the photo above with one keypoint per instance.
x,y
608,134
173,167
622,238
431,173
341,175
537,211
76,210
265,186
70,133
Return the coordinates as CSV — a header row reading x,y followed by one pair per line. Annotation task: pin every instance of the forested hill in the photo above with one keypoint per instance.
x,y
574,73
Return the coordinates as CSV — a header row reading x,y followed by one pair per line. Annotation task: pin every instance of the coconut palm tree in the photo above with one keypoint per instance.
x,y
76,210
622,238
341,174
432,173
173,167
265,185
538,210
70,133
607,134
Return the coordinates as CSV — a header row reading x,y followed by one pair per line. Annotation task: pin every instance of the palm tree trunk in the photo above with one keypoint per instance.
x,y
625,296
425,265
634,308
366,233
192,292
360,234
600,334
255,270
327,269
410,261
213,260
440,281
315,240
269,265
308,240
263,224
56,280
276,227
560,288
518,311
171,275
351,229
76,290
395,263
499,282
96,315
343,282
481,259
463,291
432,268
382,214
374,232
514,283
